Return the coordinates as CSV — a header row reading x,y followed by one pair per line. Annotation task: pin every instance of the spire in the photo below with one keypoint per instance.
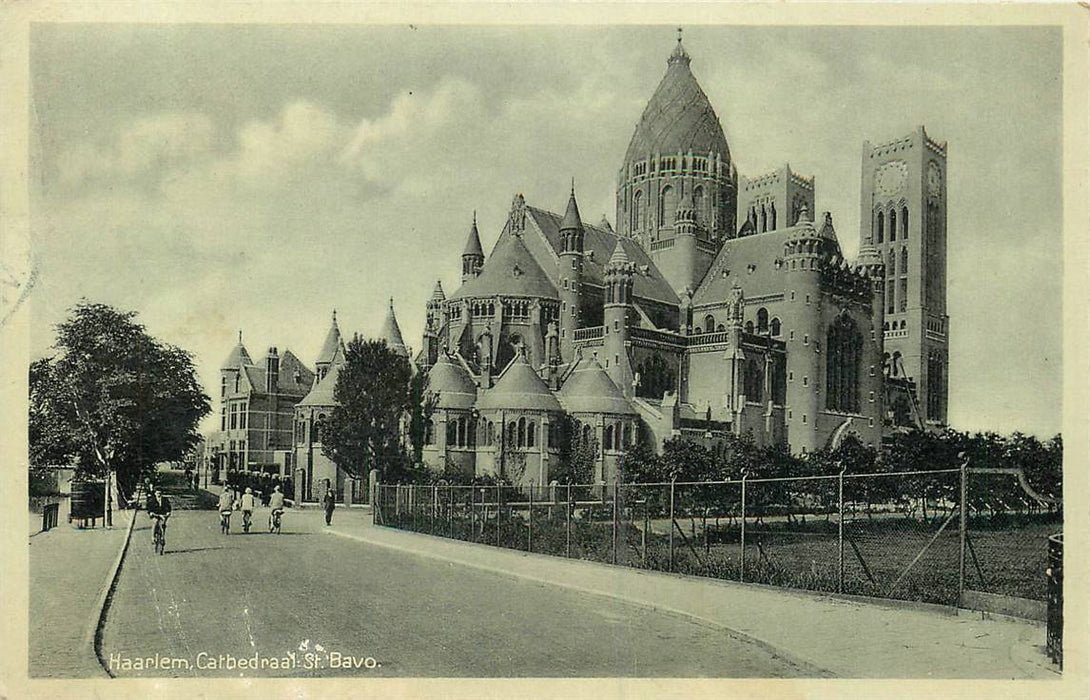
x,y
679,54
391,332
333,347
619,257
571,220
438,294
473,242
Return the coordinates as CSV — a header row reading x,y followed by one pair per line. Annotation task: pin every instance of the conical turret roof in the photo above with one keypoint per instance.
x,y
679,117
438,294
519,389
333,347
453,384
619,257
473,241
239,357
391,332
322,393
571,218
589,389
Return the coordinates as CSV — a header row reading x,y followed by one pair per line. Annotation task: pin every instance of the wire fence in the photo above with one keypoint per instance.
x,y
901,535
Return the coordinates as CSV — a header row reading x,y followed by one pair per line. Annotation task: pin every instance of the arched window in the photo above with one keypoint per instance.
x,y
627,438
587,435
698,204
512,434
531,434
452,433
429,432
749,326
904,223
720,328
608,439
709,323
775,327
844,351
904,261
892,225
491,433
522,432
764,219
461,432
773,208
753,380
762,320
881,227
666,203
637,210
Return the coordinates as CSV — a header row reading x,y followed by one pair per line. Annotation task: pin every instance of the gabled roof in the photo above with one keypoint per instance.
x,y
509,270
760,250
678,118
599,245
290,368
588,389
519,389
453,384
391,332
333,347
322,393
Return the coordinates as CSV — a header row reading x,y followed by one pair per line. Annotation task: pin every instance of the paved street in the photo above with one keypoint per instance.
x,y
269,596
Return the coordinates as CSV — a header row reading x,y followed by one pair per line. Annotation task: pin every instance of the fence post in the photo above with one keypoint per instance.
x,y
616,497
646,525
567,523
742,552
670,561
450,511
530,522
499,510
412,504
472,513
963,526
434,506
840,532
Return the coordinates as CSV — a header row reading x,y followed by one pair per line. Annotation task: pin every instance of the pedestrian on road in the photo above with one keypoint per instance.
x,y
329,501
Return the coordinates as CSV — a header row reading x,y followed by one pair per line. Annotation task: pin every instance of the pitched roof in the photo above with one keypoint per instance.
x,y
453,384
438,294
391,332
678,118
322,393
588,389
238,358
290,368
519,389
510,269
600,245
333,347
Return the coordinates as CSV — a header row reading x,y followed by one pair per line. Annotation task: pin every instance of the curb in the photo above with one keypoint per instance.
x,y
810,668
93,636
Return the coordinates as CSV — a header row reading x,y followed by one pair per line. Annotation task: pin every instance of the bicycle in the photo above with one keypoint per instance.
x,y
225,522
159,537
274,520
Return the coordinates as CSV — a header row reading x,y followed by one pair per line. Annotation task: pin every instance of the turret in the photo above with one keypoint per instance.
x,y
571,275
619,275
433,324
391,332
802,255
332,350
473,255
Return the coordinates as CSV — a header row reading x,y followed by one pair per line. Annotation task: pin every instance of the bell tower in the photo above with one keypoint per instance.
x,y
903,216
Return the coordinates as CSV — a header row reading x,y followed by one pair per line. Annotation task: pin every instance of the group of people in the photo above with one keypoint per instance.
x,y
247,501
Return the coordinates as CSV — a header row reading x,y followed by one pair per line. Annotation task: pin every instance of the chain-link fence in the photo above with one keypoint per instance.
x,y
897,535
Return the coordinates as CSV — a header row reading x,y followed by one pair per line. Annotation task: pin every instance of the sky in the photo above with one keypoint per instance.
x,y
217,178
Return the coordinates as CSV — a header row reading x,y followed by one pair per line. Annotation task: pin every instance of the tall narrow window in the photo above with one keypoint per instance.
x,y
762,320
698,204
773,209
608,437
637,210
753,380
775,327
709,323
881,227
844,349
904,261
665,201
892,225
904,223
764,219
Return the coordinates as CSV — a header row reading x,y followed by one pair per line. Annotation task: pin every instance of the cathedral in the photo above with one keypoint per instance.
x,y
718,304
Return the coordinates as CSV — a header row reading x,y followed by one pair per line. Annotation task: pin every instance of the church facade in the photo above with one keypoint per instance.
x,y
720,304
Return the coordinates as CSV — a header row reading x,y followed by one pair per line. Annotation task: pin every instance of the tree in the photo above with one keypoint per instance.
x,y
373,394
113,398
576,458
422,403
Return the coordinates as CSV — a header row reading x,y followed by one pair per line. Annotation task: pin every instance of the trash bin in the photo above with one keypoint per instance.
x,y
1055,571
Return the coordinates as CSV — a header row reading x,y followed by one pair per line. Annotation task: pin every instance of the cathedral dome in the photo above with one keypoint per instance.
x,y
519,389
679,117
453,384
590,390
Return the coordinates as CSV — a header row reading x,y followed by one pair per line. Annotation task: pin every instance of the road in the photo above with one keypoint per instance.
x,y
296,599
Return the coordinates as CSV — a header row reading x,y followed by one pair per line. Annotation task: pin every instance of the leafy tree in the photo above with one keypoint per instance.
x,y
422,405
373,393
113,398
575,463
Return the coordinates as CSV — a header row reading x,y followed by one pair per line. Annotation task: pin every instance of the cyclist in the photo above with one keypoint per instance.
x,y
159,510
247,502
226,505
276,502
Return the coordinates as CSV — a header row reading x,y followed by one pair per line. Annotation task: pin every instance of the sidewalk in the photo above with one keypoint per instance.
x,y
842,637
68,570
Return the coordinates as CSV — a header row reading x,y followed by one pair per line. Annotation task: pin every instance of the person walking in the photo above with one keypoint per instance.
x,y
329,501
